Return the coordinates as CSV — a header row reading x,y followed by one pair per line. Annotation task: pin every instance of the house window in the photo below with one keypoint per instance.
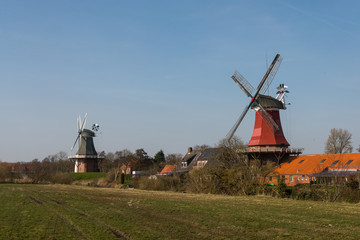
x,y
291,178
301,161
298,178
322,161
270,178
306,178
201,163
335,162
348,162
302,178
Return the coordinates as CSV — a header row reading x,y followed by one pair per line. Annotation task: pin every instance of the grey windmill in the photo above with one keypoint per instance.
x,y
86,158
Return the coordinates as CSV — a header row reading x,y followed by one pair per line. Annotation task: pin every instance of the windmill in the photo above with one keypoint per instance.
x,y
267,134
86,158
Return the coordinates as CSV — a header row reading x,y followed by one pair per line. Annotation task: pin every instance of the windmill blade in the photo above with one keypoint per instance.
x,y
233,129
276,64
261,84
79,123
247,88
84,122
267,118
75,142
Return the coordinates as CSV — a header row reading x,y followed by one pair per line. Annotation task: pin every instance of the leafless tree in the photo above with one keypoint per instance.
x,y
338,141
173,158
200,147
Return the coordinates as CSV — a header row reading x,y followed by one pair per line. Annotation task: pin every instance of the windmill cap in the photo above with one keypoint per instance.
x,y
87,133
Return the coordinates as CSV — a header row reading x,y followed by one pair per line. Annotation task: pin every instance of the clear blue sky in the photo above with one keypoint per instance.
x,y
156,74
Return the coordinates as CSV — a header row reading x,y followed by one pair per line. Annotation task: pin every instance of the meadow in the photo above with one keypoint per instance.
x,y
78,212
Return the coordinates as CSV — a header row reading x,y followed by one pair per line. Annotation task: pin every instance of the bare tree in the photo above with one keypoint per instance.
x,y
338,141
200,147
173,158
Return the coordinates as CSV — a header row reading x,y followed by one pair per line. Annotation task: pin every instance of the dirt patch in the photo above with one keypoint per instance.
x,y
36,200
57,201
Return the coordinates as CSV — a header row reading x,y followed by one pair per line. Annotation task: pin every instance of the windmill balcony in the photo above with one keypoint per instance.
x,y
273,149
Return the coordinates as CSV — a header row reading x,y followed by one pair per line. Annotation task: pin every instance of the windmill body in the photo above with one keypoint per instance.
x,y
268,141
86,143
263,137
86,158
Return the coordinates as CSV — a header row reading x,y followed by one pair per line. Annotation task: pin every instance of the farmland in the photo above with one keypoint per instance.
x,y
78,212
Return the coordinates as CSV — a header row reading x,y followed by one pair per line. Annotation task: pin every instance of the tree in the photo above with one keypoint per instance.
x,y
140,153
173,158
338,141
200,147
159,157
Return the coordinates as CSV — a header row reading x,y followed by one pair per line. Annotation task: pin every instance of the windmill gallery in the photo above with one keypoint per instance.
x,y
267,142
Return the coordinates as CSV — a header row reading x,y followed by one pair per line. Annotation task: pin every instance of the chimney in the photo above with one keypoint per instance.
x,y
189,150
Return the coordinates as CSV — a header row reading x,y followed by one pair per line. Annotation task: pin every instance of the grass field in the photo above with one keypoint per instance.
x,y
77,212
87,176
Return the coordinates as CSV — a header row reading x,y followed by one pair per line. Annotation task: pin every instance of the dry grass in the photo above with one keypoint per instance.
x,y
77,212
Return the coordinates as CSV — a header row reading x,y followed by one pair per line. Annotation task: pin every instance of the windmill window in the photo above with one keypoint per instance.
x,y
184,164
322,161
301,161
335,162
348,162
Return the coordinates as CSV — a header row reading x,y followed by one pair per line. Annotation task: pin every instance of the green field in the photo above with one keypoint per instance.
x,y
77,212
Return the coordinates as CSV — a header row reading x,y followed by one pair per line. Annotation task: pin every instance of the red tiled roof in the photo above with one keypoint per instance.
x,y
168,168
309,164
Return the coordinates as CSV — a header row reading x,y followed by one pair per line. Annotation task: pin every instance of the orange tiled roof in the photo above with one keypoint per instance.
x,y
309,164
168,168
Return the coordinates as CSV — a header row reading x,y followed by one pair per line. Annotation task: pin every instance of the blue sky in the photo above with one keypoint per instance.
x,y
156,74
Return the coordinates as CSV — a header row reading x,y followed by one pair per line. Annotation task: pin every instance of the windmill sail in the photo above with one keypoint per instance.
x,y
271,75
247,88
237,123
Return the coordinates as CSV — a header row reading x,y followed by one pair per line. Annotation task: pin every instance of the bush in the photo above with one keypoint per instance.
x,y
160,183
202,181
62,178
122,178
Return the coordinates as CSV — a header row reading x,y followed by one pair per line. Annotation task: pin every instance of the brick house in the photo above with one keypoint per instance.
x,y
317,169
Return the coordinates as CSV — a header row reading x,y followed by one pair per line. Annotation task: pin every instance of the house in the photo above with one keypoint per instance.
x,y
317,169
193,159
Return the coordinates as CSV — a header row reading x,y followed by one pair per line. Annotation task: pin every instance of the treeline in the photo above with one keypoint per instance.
x,y
50,169
58,168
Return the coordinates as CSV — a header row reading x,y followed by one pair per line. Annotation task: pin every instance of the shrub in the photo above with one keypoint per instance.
x,y
160,183
62,178
201,181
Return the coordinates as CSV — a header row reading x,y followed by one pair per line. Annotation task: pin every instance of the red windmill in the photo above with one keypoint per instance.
x,y
268,140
